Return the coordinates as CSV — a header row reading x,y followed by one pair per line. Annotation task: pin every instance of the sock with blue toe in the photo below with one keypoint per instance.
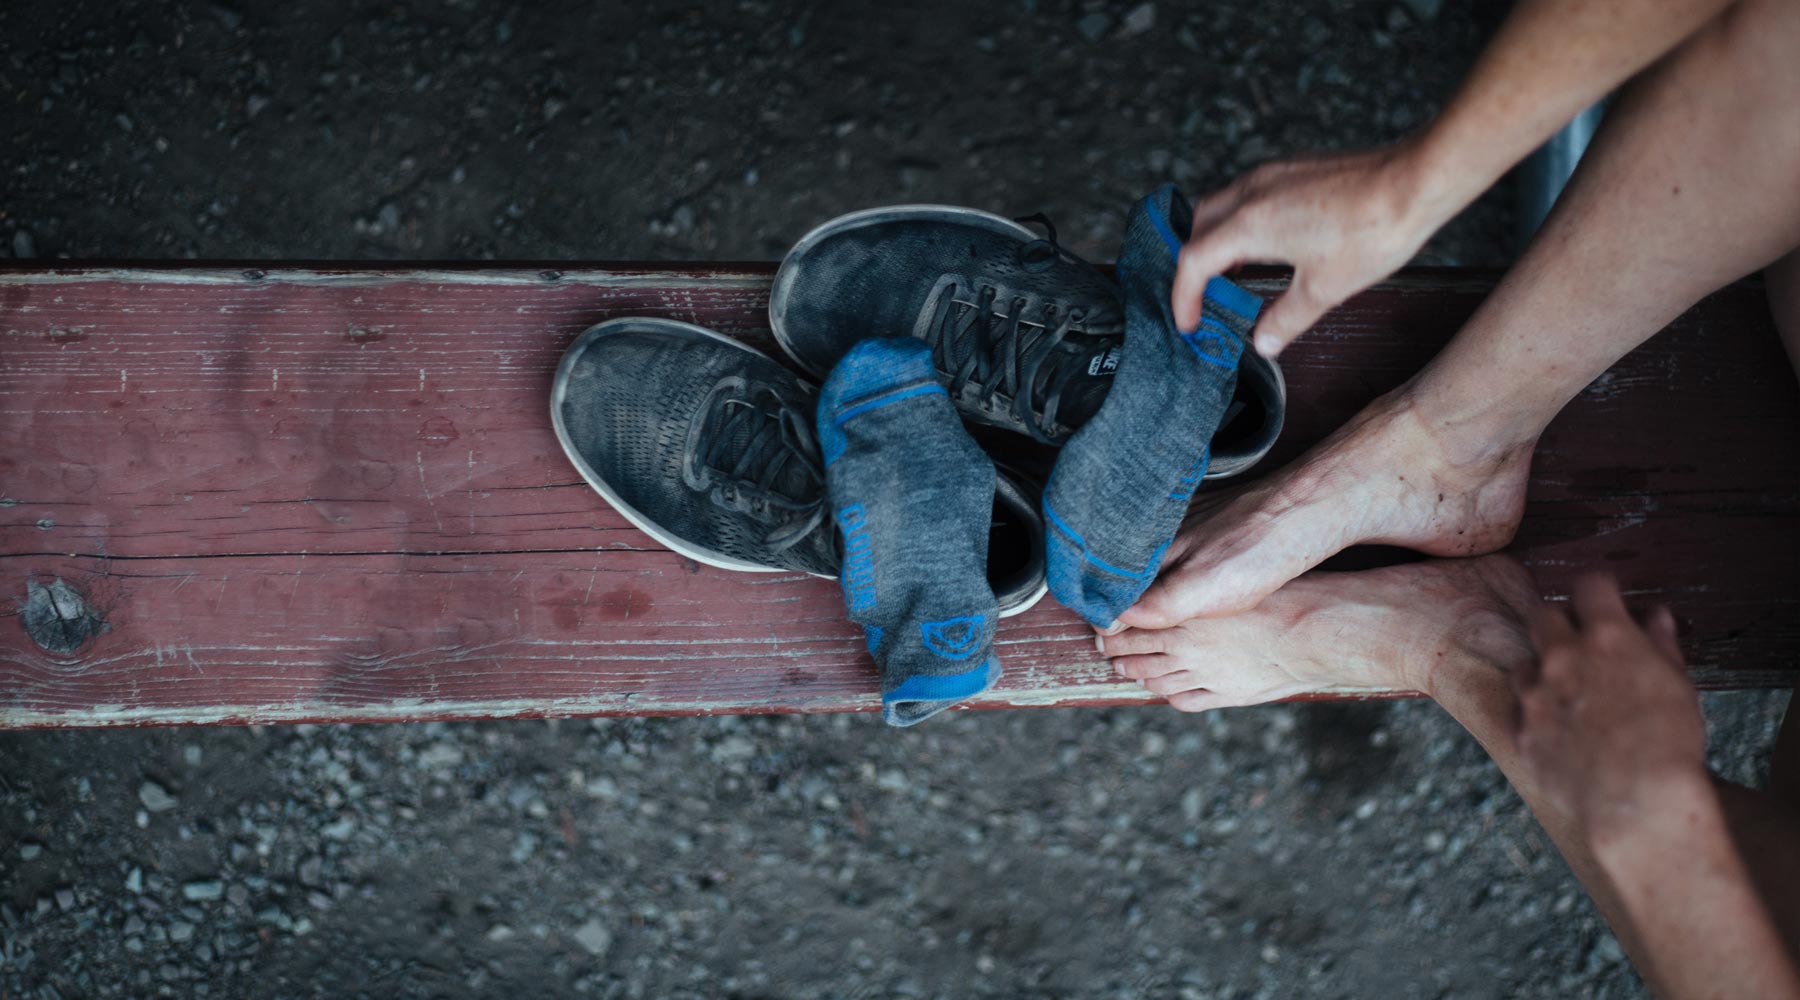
x,y
912,495
1122,483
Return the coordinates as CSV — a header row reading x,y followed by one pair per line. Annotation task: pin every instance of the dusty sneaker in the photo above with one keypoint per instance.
x,y
1022,333
1025,335
707,446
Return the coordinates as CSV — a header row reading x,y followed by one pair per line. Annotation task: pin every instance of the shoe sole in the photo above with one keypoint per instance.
x,y
784,276
559,387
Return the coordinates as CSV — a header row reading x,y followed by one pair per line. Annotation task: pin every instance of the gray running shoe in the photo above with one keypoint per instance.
x,y
707,446
1022,332
1026,336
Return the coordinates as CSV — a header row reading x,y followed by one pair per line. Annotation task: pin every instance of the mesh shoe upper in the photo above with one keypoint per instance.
x,y
702,442
1021,330
708,446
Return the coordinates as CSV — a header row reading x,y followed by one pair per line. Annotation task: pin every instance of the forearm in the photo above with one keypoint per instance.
x,y
1692,905
1479,695
1703,926
1688,185
1550,59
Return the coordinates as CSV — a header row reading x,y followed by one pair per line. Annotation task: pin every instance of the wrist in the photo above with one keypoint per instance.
x,y
1667,814
1425,172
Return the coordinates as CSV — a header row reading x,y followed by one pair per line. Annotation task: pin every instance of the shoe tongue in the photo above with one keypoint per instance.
x,y
1088,385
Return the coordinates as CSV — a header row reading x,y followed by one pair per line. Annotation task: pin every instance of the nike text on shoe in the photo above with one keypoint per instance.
x,y
707,446
912,495
1122,483
1024,334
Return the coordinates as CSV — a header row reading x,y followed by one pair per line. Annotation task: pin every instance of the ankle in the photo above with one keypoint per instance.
x,y
1480,440
1487,631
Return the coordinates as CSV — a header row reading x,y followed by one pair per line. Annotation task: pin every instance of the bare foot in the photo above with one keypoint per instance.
x,y
1379,630
1386,477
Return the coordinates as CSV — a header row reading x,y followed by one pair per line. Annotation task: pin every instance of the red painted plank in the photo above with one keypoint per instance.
x,y
335,495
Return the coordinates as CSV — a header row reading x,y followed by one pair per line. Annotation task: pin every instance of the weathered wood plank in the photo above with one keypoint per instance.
x,y
310,494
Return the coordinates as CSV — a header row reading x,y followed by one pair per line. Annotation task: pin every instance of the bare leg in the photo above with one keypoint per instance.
x,y
1689,185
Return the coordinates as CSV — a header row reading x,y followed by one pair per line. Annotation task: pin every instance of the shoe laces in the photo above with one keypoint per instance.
x,y
751,442
1016,349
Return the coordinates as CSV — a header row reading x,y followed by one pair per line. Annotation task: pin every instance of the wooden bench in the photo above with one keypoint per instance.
x,y
234,495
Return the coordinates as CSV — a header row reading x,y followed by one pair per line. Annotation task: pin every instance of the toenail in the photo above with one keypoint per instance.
x,y
1100,643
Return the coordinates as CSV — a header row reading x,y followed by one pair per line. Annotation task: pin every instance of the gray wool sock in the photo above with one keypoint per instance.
x,y
1122,483
912,495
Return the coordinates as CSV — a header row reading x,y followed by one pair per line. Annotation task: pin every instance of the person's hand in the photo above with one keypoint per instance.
x,y
1344,222
1608,721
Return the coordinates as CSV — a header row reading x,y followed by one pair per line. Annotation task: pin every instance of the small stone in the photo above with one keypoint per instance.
x,y
1366,810
237,895
29,851
1139,20
683,218
340,830
203,890
553,106
134,924
192,754
180,931
499,933
312,871
134,883
124,122
387,217
733,747
1193,802
1093,26
65,899
23,245
594,938
255,104
155,797
441,755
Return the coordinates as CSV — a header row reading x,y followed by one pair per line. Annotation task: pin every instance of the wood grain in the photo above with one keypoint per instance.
x,y
308,493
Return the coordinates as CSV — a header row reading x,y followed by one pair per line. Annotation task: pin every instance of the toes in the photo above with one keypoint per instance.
x,y
1199,701
1131,642
1145,667
1175,682
1188,591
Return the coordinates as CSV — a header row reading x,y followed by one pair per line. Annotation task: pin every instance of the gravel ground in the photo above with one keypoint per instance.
x,y
1329,850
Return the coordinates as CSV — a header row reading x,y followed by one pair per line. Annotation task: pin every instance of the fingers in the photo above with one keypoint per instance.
x,y
1596,598
1205,256
1664,635
1550,629
1293,314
